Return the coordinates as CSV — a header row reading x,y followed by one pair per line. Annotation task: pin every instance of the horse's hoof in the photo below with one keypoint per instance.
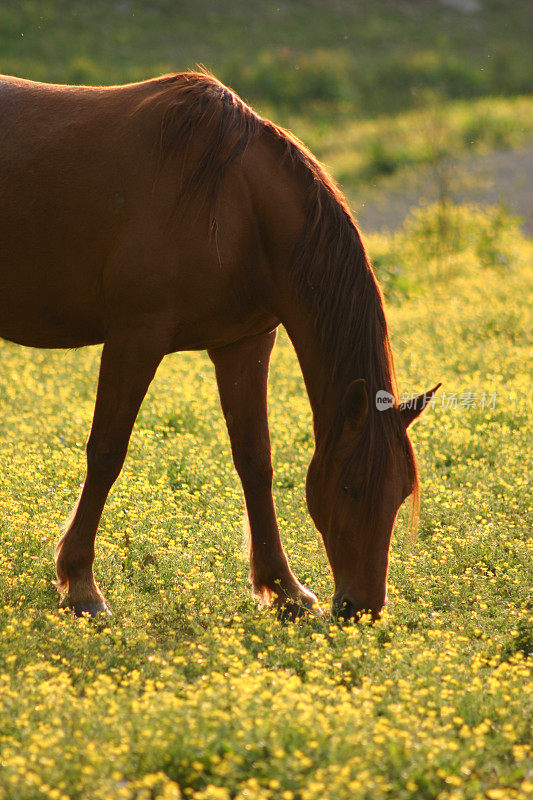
x,y
89,607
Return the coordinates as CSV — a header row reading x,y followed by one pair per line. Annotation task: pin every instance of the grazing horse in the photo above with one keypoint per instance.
x,y
167,215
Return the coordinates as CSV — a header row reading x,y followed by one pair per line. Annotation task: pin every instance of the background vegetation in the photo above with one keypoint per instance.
x,y
189,689
333,72
373,57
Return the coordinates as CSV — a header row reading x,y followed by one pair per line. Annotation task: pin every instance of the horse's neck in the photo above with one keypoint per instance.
x,y
325,381
281,198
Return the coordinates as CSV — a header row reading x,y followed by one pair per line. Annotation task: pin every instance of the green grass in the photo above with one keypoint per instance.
x,y
190,687
373,57
360,152
375,89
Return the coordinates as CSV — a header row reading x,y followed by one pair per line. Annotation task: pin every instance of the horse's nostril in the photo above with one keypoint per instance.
x,y
345,609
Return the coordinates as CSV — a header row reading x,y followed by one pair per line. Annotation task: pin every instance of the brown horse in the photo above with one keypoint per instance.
x,y
166,215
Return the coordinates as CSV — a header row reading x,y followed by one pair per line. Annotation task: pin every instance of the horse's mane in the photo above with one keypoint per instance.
x,y
330,269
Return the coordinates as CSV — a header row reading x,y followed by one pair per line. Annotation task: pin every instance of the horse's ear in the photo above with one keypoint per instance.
x,y
412,409
355,404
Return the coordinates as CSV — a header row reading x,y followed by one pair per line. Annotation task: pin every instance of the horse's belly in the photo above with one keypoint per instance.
x,y
220,331
50,331
36,313
50,279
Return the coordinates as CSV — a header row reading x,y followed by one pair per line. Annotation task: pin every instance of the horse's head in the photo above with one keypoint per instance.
x,y
356,483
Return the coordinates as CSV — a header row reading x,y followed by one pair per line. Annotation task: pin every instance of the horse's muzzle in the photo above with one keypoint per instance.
x,y
345,609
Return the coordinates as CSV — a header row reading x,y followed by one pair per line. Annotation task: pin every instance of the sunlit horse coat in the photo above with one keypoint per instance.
x,y
166,215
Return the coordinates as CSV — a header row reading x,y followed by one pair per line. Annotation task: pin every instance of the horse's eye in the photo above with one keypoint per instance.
x,y
347,489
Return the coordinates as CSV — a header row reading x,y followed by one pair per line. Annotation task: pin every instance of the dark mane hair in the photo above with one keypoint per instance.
x,y
330,269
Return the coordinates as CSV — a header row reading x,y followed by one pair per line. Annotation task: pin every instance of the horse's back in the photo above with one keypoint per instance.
x,y
53,222
75,168
88,222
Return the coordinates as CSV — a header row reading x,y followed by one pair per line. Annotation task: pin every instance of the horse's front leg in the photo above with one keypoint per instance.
x,y
242,374
129,362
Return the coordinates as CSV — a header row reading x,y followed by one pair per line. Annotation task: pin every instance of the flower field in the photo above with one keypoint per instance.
x,y
190,690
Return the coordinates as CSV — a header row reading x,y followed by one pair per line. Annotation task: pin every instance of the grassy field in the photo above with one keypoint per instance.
x,y
189,686
374,88
190,690
369,56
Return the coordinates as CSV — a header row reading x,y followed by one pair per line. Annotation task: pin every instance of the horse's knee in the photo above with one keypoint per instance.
x,y
254,466
104,461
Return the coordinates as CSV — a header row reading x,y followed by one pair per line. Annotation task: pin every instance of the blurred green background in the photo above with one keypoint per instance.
x,y
360,58
392,95
189,690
